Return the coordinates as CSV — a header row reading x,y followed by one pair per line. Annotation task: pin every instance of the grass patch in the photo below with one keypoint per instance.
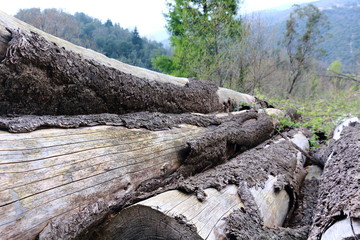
x,y
319,115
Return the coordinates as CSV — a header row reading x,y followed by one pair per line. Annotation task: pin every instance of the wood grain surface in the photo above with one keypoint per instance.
x,y
51,172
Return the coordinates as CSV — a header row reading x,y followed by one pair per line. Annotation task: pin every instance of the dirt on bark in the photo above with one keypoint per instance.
x,y
245,225
253,167
38,77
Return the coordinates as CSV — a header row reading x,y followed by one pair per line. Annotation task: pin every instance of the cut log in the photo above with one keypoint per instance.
x,y
77,175
337,214
265,188
41,74
176,215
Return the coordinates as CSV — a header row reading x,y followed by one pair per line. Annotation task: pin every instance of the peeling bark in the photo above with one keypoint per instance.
x,y
302,217
147,120
74,182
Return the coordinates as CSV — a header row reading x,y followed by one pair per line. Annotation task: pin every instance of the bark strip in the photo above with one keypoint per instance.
x,y
339,194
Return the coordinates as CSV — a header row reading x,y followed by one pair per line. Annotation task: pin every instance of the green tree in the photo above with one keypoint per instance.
x,y
136,39
108,23
334,70
303,34
201,33
335,67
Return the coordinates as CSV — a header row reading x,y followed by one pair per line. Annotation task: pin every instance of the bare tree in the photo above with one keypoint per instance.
x,y
303,34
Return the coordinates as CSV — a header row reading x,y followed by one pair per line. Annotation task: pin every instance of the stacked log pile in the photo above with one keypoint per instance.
x,y
91,148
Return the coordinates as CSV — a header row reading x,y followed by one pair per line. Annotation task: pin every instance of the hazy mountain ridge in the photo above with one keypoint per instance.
x,y
344,19
108,38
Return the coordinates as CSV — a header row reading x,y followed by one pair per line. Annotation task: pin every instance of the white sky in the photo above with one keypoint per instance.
x,y
146,15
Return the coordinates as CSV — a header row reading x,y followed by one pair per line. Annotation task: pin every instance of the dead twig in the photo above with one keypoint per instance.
x,y
311,159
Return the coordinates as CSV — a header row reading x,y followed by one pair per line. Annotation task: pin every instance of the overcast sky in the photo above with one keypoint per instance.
x,y
146,15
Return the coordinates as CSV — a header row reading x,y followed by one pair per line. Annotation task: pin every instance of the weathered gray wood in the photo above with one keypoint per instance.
x,y
52,172
347,228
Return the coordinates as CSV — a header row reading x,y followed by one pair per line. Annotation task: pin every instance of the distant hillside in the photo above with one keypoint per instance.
x,y
107,38
344,19
345,42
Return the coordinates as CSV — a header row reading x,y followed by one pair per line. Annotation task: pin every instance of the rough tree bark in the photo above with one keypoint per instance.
x,y
337,215
262,184
41,74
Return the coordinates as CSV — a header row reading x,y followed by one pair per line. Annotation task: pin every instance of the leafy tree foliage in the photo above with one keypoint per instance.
x,y
303,34
108,38
201,33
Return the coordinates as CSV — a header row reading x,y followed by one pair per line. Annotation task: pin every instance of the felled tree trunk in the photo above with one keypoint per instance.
x,y
337,215
261,183
78,175
62,183
41,74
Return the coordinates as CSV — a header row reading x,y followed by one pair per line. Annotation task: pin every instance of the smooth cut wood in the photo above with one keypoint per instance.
x,y
179,209
54,172
343,229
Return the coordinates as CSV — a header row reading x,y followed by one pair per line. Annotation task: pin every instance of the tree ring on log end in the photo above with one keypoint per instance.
x,y
140,222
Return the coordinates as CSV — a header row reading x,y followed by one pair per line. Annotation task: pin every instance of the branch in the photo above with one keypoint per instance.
x,y
311,159
342,76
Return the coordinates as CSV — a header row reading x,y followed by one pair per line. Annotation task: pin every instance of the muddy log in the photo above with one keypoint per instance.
x,y
66,180
41,74
337,215
261,184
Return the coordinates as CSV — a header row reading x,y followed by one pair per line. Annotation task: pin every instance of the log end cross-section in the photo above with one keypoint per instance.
x,y
176,215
